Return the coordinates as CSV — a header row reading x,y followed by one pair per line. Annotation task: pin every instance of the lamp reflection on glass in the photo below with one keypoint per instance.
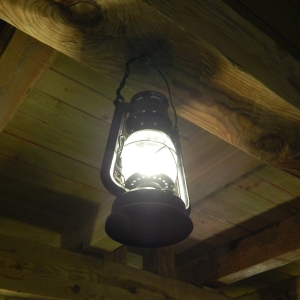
x,y
142,167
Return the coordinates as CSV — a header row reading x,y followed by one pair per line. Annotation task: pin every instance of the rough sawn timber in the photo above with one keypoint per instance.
x,y
22,62
210,89
34,271
286,290
273,247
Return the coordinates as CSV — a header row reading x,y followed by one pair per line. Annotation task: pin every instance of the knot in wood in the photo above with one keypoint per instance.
x,y
132,289
76,288
85,13
270,143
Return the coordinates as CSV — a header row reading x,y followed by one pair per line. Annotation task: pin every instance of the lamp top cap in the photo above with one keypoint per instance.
x,y
150,96
148,110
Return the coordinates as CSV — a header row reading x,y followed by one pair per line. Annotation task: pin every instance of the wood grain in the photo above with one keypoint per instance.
x,y
160,261
50,161
235,214
238,195
67,118
278,21
22,63
76,95
253,51
210,88
55,139
287,289
209,176
35,271
283,12
119,255
273,247
32,175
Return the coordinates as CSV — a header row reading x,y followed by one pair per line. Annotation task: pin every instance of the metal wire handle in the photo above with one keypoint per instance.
x,y
144,60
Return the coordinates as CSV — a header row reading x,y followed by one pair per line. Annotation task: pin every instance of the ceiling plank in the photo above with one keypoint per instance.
x,y
46,159
214,174
36,176
209,89
34,271
273,247
22,63
55,139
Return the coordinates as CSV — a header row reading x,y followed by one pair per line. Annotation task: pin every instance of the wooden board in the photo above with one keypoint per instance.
x,y
280,16
234,214
27,173
50,161
22,62
210,88
219,173
35,271
65,117
271,248
76,95
55,139
278,20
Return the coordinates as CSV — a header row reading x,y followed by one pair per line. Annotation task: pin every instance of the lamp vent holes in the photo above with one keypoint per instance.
x,y
160,181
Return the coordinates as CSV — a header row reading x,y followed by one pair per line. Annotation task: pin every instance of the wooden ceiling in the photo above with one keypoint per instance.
x,y
234,73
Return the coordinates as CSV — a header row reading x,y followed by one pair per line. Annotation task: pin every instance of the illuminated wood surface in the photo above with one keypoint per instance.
x,y
212,91
23,61
34,271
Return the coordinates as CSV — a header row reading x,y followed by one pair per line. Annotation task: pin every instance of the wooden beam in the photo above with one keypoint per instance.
x,y
119,255
245,46
160,261
22,63
271,248
6,32
34,271
279,20
209,87
285,290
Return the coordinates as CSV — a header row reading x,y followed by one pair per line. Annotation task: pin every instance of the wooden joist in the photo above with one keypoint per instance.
x,y
34,271
209,78
239,41
273,247
160,261
22,63
285,290
279,20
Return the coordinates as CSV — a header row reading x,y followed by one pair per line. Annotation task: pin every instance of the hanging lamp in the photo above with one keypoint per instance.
x,y
143,167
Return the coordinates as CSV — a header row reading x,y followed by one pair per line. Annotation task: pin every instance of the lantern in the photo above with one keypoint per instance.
x,y
143,168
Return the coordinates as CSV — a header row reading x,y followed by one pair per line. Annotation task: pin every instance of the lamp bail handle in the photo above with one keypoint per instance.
x,y
142,58
119,97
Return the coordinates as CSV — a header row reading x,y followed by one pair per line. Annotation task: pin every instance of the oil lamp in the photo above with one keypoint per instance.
x,y
142,166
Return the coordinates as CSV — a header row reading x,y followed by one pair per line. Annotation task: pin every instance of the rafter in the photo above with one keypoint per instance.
x,y
209,89
22,63
271,248
34,271
286,290
239,41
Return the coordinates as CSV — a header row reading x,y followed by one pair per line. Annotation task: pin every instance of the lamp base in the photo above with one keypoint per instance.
x,y
147,218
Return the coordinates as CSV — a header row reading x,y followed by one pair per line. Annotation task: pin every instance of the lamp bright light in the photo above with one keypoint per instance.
x,y
149,155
